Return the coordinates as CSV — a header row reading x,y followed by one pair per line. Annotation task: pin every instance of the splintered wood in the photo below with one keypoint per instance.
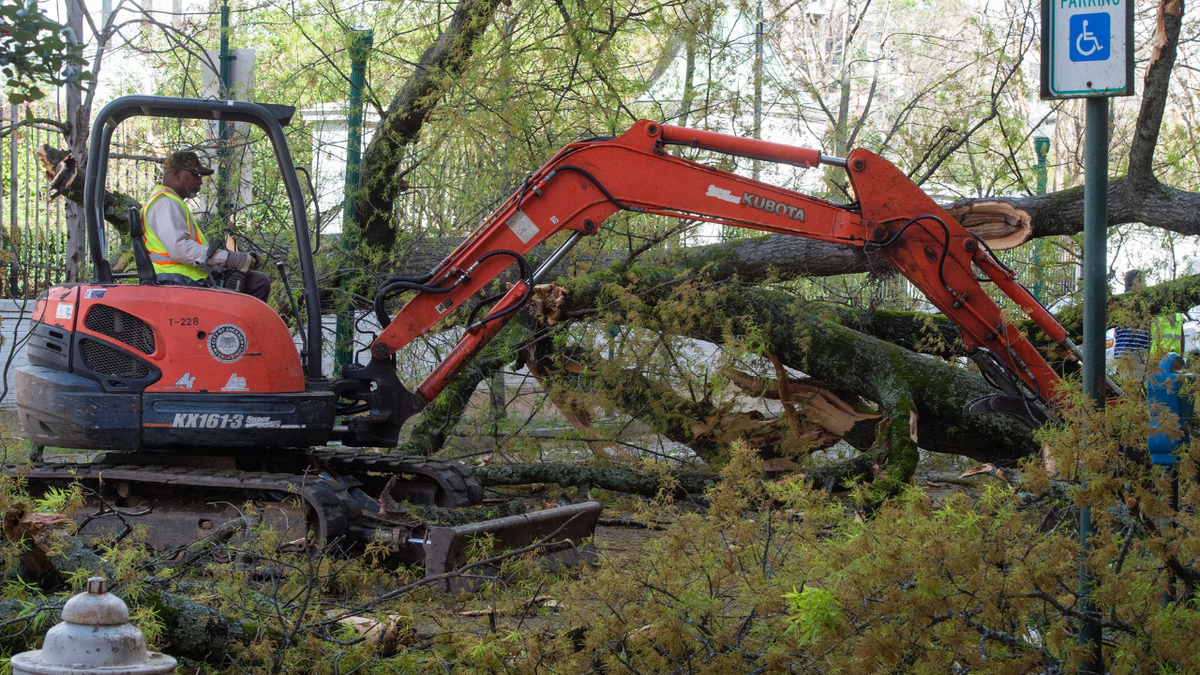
x,y
36,530
818,407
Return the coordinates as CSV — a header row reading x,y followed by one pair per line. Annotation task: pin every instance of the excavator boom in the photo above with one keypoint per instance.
x,y
586,182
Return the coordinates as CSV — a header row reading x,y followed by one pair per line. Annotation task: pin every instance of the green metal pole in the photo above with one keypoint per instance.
x,y
13,189
361,42
360,48
1095,296
1041,146
223,91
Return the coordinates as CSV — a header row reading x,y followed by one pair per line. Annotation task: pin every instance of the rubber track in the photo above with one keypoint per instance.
x,y
335,509
457,482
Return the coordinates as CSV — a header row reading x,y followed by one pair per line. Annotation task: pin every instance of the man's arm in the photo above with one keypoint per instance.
x,y
167,220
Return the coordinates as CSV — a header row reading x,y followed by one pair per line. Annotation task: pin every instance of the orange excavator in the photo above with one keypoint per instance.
x,y
202,390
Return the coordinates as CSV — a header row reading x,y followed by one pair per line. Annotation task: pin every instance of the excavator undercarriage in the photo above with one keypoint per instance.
x,y
342,499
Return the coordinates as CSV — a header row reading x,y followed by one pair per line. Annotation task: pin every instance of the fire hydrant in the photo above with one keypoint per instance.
x,y
95,637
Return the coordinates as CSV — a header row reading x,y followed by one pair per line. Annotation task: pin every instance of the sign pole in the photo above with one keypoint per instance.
x,y
1087,52
1095,296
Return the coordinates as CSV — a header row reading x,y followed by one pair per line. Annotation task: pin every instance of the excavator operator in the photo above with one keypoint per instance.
x,y
178,248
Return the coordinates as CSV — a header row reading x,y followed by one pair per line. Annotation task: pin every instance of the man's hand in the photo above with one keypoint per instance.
x,y
241,262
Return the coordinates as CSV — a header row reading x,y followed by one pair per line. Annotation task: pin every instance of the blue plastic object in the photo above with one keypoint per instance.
x,y
1163,395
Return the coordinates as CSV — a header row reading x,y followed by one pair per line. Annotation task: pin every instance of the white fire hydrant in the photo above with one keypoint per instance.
x,y
94,638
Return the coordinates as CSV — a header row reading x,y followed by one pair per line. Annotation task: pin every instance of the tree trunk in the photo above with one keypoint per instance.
x,y
680,483
841,359
443,60
116,204
78,118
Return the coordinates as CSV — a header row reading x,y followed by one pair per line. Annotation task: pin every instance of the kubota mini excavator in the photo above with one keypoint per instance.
x,y
201,388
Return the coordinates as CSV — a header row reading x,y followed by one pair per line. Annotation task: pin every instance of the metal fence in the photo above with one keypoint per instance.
x,y
33,227
34,234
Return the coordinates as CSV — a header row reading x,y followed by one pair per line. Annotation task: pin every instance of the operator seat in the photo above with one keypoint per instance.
x,y
145,268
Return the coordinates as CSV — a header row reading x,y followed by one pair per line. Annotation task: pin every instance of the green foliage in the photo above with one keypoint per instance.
x,y
813,614
35,50
55,499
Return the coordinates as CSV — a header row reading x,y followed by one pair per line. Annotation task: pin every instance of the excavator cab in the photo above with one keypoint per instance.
x,y
120,366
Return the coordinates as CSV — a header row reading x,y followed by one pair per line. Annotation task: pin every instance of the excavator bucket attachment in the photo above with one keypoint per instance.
x,y
559,534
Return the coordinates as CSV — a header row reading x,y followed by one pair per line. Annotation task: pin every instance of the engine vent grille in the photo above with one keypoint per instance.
x,y
121,326
112,362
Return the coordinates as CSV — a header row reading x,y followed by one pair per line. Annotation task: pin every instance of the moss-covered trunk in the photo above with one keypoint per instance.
x,y
812,340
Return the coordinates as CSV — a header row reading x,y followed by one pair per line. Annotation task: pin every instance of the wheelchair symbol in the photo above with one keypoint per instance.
x,y
1086,38
1089,35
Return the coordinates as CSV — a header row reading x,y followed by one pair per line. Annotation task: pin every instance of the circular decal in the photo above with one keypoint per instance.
x,y
227,343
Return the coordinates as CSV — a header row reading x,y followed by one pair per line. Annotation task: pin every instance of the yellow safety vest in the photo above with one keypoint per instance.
x,y
154,246
1167,334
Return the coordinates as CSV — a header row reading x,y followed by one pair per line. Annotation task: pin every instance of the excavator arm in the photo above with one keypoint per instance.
x,y
588,181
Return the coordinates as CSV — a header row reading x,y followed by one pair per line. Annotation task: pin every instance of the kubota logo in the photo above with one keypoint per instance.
x,y
772,206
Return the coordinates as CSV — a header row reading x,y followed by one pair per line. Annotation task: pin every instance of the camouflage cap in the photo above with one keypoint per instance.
x,y
188,161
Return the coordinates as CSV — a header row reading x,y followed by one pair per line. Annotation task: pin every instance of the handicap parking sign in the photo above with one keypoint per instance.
x,y
1087,48
1089,37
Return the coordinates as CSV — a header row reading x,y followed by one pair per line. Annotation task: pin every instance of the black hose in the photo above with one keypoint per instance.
x,y
945,246
396,285
526,277
601,188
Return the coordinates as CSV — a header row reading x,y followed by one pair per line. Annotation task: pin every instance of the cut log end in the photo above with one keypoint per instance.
x,y
1000,224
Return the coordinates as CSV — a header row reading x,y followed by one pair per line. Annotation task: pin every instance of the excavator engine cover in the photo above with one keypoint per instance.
x,y
115,367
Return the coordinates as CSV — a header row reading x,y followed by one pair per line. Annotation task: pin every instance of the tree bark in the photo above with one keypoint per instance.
x,y
681,483
409,109
838,358
116,204
76,137
1136,307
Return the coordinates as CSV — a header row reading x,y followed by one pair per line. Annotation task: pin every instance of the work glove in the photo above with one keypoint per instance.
x,y
257,262
240,262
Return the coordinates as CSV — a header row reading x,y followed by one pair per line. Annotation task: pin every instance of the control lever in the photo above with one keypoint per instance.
x,y
234,281
295,312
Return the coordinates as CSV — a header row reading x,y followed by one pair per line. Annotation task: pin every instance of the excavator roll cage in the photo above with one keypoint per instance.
x,y
271,119
588,181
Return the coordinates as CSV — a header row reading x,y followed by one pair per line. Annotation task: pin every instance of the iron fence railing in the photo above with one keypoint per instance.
x,y
33,236
33,227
